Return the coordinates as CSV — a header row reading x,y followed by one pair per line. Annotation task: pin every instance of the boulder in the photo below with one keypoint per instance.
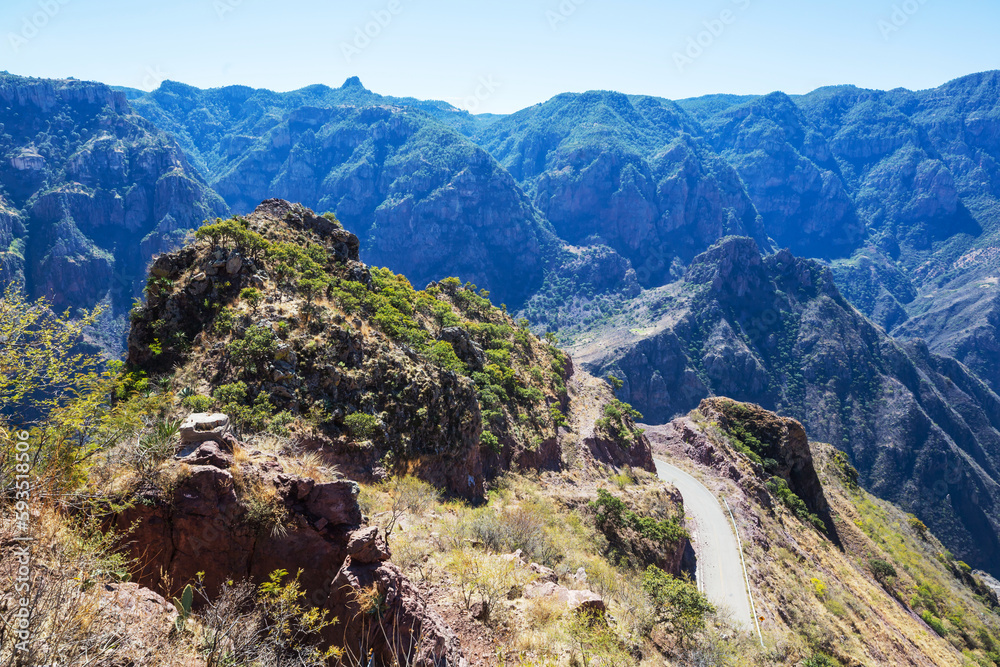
x,y
234,264
209,454
543,573
381,611
337,502
203,426
367,546
570,599
465,348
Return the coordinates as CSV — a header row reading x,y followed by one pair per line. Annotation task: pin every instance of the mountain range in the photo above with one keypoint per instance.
x,y
608,219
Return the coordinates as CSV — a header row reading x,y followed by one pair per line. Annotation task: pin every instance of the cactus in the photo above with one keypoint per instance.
x,y
183,606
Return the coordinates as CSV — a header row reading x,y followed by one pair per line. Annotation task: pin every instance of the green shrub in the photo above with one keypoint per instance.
x,y
362,425
197,403
883,571
252,351
934,622
491,442
677,602
779,488
613,513
614,423
253,416
443,354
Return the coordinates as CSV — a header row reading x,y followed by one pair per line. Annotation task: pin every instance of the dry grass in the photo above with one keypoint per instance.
x,y
75,618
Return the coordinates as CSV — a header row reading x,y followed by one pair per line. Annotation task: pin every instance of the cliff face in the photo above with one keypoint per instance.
x,y
274,319
626,172
921,429
92,192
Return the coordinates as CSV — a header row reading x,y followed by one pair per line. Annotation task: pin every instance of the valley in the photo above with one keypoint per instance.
x,y
482,380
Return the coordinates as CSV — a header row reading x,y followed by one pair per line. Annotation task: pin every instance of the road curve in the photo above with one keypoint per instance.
x,y
720,569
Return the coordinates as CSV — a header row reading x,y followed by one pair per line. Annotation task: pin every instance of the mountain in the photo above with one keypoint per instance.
x,y
392,169
273,318
624,172
89,192
923,431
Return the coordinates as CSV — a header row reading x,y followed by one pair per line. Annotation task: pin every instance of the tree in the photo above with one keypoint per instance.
x,y
678,602
252,296
72,404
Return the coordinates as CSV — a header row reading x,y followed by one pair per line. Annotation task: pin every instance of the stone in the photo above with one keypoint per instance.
x,y
337,502
203,426
543,573
209,454
234,264
419,636
368,546
582,600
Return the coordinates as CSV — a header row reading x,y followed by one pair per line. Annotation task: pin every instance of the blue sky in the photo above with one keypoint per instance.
x,y
500,56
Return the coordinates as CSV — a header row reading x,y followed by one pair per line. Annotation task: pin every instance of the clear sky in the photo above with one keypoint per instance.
x,y
503,55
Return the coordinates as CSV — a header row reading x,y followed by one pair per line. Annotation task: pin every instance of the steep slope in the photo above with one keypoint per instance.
x,y
90,192
790,175
867,586
923,431
273,319
626,172
424,200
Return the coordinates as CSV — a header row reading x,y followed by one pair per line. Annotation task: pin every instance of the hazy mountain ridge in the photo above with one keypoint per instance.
x,y
90,191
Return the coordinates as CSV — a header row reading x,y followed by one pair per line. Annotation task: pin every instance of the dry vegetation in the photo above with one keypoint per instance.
x,y
892,595
464,554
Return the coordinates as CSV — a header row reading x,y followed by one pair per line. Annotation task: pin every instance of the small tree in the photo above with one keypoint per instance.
x,y
252,296
293,627
678,603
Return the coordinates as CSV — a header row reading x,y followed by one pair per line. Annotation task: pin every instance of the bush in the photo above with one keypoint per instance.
x,y
883,571
614,514
615,422
491,442
677,602
252,351
443,354
509,529
197,403
363,426
779,488
934,622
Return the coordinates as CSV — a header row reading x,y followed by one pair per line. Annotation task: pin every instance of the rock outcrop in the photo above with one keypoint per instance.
x,y
775,331
206,525
99,190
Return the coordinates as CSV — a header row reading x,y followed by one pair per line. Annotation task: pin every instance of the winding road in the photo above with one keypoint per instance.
x,y
720,568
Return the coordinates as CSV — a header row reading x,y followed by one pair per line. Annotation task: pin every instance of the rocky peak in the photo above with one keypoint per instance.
x,y
353,82
734,266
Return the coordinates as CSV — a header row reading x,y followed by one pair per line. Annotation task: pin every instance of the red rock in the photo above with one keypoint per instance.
x,y
367,546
